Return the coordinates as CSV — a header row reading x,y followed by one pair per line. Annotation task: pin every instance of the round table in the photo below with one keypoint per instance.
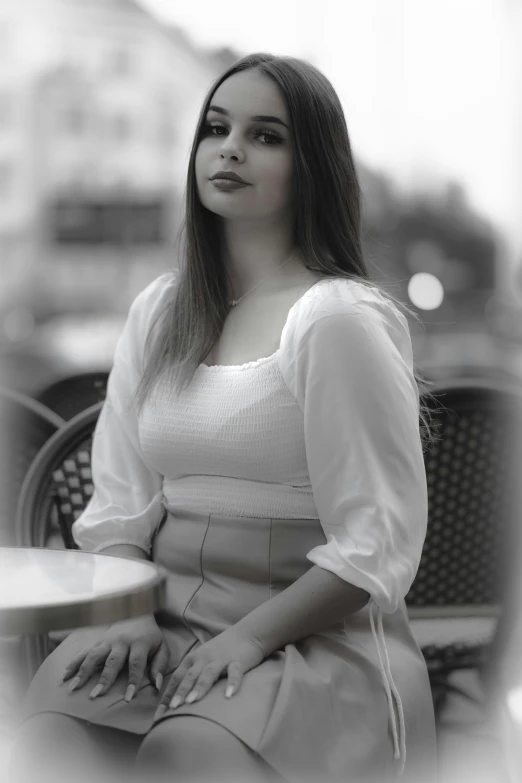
x,y
52,589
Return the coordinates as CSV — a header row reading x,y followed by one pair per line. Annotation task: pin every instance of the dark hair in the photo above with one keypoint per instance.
x,y
327,226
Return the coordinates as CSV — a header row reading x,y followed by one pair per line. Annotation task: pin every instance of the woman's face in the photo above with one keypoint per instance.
x,y
259,151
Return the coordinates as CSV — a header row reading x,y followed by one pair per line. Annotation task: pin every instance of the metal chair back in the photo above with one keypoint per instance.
x,y
472,473
74,394
25,426
56,490
59,477
472,476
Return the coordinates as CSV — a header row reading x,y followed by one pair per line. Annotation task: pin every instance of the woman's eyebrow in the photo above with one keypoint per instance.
x,y
256,118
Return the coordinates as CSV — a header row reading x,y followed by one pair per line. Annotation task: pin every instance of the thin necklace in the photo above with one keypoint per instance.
x,y
234,302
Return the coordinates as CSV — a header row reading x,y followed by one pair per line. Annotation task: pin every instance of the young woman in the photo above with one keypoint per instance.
x,y
262,440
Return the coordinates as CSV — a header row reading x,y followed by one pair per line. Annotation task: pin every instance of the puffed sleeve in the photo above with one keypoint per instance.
x,y
353,376
126,505
348,360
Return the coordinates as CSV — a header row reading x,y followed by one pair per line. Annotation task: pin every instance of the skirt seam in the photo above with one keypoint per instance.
x,y
198,588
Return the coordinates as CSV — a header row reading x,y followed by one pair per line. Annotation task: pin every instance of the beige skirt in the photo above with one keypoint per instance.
x,y
316,710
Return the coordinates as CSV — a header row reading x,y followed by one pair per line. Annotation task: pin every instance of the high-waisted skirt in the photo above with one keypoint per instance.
x,y
315,709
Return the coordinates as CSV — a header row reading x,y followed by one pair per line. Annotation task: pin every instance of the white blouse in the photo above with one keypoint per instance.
x,y
325,428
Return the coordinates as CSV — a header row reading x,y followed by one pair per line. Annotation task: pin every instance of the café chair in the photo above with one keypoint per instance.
x,y
69,396
56,490
461,586
25,425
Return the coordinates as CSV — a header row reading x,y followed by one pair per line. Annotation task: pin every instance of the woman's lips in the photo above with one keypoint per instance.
x,y
228,184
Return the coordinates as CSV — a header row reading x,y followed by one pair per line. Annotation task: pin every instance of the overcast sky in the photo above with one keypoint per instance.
x,y
431,90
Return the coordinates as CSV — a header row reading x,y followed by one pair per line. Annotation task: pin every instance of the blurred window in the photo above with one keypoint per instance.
x,y
118,222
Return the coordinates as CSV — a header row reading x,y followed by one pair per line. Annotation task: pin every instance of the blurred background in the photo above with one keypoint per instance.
x,y
98,106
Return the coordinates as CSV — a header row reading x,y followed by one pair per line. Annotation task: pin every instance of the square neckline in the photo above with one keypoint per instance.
x,y
265,359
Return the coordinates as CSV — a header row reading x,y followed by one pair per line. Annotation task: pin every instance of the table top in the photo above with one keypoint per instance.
x,y
52,589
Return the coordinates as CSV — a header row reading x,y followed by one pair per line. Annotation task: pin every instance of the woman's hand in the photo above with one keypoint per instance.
x,y
138,641
230,653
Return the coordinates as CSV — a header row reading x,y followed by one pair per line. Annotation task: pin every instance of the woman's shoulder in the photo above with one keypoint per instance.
x,y
157,289
341,296
151,299
376,319
375,316
149,303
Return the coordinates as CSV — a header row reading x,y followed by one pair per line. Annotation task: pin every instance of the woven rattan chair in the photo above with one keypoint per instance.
x,y
25,425
55,491
74,394
472,474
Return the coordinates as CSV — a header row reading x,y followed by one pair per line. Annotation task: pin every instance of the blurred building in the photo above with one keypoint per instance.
x,y
98,106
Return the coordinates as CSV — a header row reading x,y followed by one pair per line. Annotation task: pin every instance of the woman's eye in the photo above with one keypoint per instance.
x,y
209,129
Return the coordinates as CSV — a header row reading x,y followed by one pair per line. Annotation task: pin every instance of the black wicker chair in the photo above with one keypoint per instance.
x,y
472,474
56,490
25,425
72,395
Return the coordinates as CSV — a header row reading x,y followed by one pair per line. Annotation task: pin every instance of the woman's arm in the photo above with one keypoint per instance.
x,y
351,371
312,603
125,508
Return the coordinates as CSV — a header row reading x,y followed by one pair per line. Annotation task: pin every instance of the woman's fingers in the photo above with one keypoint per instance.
x,y
198,677
73,666
138,656
186,672
113,665
235,675
159,664
93,660
204,682
75,663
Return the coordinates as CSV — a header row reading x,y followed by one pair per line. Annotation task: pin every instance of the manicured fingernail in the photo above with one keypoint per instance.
x,y
193,695
129,693
159,681
229,691
162,709
96,691
176,701
74,684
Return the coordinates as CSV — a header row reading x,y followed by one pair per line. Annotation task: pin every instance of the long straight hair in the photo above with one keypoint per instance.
x,y
326,225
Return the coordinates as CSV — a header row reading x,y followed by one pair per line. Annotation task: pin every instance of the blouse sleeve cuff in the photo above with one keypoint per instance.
x,y
386,596
96,529
118,542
